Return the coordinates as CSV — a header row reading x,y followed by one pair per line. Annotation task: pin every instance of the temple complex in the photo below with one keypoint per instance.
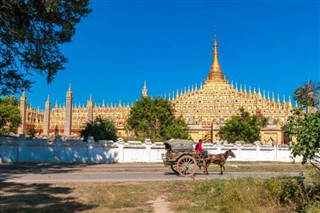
x,y
205,109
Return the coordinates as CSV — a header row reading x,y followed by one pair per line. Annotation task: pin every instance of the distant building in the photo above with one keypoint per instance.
x,y
205,109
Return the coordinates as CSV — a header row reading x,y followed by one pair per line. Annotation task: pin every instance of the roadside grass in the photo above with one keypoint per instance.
x,y
235,167
256,195
280,194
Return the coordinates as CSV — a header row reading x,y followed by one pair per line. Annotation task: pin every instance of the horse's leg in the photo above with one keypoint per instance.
x,y
221,168
205,171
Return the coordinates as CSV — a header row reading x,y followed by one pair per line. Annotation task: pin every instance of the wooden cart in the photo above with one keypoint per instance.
x,y
181,157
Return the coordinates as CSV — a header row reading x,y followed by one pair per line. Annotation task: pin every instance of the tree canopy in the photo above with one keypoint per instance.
x,y
308,95
31,34
305,125
154,119
9,115
244,127
99,129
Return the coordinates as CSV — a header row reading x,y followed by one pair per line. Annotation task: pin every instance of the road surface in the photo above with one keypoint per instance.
x,y
49,173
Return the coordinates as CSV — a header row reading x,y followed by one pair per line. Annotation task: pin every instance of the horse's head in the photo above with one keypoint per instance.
x,y
230,153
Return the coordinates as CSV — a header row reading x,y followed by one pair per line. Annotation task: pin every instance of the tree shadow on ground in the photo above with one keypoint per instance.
x,y
42,197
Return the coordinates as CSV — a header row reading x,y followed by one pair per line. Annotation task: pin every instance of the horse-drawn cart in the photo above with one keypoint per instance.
x,y
181,157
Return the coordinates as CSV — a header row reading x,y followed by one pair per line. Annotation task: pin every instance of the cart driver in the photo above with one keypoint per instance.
x,y
199,147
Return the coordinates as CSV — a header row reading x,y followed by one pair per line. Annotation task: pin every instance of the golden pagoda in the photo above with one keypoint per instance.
x,y
205,109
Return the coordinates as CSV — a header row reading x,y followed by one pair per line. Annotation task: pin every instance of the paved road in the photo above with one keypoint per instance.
x,y
48,173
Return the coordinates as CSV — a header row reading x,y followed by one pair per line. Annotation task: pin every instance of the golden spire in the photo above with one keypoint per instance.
x,y
290,104
273,97
144,90
48,101
23,96
89,102
215,73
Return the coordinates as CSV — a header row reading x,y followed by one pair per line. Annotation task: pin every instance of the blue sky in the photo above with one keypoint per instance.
x,y
274,45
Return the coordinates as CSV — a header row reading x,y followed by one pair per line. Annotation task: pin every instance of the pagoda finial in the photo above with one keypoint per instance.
x,y
245,88
69,89
284,99
278,98
290,104
236,86
272,96
177,93
48,101
144,90
103,103
23,96
215,73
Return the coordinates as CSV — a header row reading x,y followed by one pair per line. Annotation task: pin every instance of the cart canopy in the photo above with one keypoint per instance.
x,y
180,145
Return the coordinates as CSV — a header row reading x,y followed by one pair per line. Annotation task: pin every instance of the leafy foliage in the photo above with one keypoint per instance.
x,y
31,33
9,115
243,127
308,95
100,129
305,126
154,119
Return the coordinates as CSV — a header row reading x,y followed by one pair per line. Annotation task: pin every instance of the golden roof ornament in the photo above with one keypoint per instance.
x,y
215,73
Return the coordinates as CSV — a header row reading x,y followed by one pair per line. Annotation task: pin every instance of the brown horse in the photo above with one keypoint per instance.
x,y
217,159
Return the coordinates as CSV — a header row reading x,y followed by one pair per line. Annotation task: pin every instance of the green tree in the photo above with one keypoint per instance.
x,y
31,35
308,95
305,126
243,127
100,129
154,119
9,115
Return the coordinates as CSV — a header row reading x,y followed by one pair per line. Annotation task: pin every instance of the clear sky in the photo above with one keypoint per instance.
x,y
274,45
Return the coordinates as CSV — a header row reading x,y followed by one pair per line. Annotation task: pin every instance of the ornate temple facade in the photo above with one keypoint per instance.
x,y
205,109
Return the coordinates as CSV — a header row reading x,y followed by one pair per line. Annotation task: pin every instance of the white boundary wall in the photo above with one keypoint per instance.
x,y
18,149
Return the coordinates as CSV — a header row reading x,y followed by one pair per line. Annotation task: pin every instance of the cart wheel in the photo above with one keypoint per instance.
x,y
186,165
174,168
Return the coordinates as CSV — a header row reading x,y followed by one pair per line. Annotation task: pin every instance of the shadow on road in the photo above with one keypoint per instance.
x,y
23,197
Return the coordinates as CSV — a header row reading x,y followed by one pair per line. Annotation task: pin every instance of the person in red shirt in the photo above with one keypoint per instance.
x,y
199,147
200,151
